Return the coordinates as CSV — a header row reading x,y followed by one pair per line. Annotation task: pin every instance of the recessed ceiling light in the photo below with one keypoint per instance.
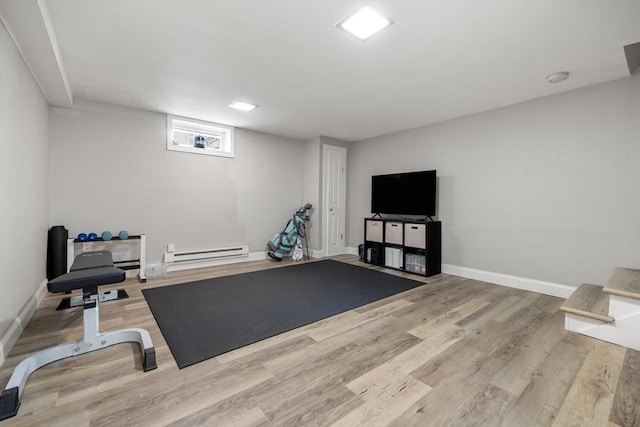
x,y
364,22
557,77
242,106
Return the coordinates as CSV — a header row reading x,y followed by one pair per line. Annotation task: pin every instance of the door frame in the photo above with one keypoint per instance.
x,y
325,197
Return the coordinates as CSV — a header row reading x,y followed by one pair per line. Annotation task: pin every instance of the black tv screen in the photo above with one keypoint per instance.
x,y
411,193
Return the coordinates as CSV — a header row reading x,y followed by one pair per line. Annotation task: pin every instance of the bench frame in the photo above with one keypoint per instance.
x,y
92,340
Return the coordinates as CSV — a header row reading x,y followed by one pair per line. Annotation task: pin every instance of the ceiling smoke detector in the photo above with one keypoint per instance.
x,y
558,77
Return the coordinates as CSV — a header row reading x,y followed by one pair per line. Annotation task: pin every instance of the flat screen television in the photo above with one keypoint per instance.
x,y
410,193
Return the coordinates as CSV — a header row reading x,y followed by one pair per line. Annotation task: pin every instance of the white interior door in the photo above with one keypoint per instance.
x,y
334,187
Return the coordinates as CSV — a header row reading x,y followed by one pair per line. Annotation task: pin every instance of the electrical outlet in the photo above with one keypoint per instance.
x,y
171,247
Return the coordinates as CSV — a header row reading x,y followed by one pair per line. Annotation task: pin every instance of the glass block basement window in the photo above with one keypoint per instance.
x,y
199,137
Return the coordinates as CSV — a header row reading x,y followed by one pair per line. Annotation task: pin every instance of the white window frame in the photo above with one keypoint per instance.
x,y
226,133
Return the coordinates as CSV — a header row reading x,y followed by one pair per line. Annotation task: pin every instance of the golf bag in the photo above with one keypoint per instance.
x,y
291,237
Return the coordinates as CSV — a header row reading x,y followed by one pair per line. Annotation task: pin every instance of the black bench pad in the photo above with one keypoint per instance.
x,y
92,259
81,279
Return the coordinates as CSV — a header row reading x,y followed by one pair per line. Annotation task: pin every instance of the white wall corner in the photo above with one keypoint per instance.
x,y
532,285
316,253
351,250
19,323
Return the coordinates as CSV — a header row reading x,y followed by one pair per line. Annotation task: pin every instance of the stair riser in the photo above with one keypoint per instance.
x,y
624,331
620,307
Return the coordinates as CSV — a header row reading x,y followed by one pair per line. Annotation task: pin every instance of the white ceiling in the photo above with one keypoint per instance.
x,y
440,60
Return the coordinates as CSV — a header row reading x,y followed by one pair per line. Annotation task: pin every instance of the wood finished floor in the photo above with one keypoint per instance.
x,y
454,352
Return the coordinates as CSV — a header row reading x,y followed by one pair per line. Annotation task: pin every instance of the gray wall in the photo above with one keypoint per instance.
x,y
312,189
24,187
546,189
111,171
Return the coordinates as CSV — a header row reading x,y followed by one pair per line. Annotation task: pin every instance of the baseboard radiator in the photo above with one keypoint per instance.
x,y
206,254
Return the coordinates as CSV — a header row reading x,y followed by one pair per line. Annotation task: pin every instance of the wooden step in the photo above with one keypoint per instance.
x,y
624,282
589,301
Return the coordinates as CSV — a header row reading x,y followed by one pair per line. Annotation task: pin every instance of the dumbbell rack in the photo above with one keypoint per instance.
x,y
91,245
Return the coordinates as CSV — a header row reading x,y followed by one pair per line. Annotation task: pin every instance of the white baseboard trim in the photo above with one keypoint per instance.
x,y
19,323
533,285
316,253
253,256
351,250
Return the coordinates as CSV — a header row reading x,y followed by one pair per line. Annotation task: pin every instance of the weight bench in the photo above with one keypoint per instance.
x,y
85,261
92,270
